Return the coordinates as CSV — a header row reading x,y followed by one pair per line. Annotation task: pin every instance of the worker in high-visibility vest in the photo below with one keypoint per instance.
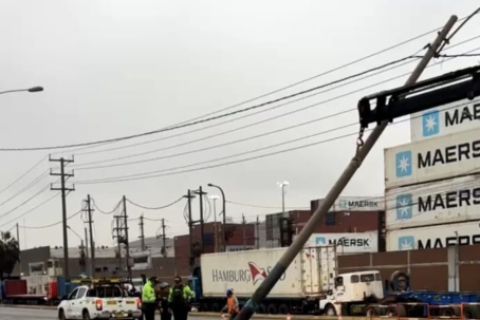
x,y
149,299
232,307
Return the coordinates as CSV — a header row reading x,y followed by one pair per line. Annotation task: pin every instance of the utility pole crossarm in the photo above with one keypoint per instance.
x,y
301,239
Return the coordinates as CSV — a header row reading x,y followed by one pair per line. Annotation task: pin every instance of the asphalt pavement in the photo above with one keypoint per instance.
x,y
7,313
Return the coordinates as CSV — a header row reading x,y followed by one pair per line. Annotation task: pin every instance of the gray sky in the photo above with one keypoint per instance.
x,y
115,68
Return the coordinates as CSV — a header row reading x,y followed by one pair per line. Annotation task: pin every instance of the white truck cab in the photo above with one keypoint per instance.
x,y
100,301
351,288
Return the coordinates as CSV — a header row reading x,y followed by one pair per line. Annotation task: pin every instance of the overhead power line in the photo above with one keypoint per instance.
x,y
262,207
158,173
52,224
258,149
23,175
155,208
252,124
31,210
213,118
106,212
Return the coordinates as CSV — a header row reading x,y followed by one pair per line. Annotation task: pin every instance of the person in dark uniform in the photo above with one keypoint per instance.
x,y
165,312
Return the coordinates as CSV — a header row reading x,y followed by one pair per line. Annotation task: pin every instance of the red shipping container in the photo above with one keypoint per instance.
x,y
15,287
52,290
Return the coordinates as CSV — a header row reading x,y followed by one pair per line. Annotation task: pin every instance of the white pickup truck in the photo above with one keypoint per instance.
x,y
100,301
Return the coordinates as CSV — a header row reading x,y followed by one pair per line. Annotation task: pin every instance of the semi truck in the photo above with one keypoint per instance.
x,y
312,285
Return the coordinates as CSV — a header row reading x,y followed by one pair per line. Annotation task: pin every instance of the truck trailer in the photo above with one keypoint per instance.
x,y
312,285
308,279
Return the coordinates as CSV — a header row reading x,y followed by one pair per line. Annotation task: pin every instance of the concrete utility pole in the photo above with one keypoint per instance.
x,y
88,255
19,251
164,238
201,193
257,238
267,285
142,233
90,227
244,226
63,179
127,241
283,185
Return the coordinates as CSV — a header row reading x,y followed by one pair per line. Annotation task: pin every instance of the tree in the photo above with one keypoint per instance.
x,y
9,253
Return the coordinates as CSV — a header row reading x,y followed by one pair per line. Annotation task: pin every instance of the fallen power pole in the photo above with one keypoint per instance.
x,y
63,188
364,148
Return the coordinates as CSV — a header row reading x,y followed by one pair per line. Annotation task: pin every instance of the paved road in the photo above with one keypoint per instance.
x,y
7,313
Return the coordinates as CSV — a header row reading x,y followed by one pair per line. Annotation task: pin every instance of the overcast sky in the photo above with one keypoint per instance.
x,y
116,68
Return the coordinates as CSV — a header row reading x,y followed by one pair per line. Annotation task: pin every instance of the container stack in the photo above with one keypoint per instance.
x,y
432,185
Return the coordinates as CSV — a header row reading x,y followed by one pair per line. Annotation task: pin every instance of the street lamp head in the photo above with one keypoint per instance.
x,y
282,184
35,89
210,185
214,197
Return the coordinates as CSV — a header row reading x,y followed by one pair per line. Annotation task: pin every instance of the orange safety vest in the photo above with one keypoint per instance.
x,y
231,305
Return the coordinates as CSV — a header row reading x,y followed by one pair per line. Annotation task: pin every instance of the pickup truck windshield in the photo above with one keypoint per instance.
x,y
105,291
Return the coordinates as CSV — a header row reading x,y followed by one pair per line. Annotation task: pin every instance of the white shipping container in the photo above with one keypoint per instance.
x,y
359,204
310,274
447,201
440,236
433,159
451,118
347,242
37,284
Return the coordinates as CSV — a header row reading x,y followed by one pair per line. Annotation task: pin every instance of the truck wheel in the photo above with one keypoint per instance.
x,y
373,311
330,310
272,309
61,315
283,308
85,315
470,312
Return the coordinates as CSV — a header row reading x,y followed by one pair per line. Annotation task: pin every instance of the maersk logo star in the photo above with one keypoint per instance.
x,y
320,240
406,243
404,206
403,164
431,123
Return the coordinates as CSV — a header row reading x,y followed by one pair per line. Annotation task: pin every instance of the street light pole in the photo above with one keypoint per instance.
x,y
224,212
283,185
33,89
215,198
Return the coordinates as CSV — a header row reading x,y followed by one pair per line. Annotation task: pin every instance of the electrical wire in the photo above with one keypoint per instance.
x,y
155,208
23,175
53,224
247,126
152,174
106,212
213,118
33,183
3,215
32,209
260,206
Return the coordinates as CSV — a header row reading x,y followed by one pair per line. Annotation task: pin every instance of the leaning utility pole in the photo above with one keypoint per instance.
x,y
63,179
164,238
90,227
364,148
142,233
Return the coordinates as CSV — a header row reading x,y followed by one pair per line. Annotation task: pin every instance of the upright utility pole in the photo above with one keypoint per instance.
x,y
201,193
257,238
279,269
19,250
88,256
244,226
117,235
90,227
164,238
189,197
142,233
63,179
127,242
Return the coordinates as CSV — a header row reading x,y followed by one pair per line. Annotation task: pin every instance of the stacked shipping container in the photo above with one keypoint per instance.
x,y
433,184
